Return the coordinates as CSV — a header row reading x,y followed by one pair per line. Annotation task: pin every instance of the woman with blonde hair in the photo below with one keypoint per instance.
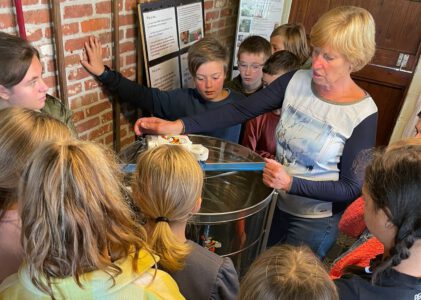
x,y
167,188
292,37
392,214
326,121
289,273
79,236
21,132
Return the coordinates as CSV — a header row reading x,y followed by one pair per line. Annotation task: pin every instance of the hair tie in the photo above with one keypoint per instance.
x,y
162,219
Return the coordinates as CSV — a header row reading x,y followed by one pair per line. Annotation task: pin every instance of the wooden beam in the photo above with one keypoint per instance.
x,y
61,67
116,66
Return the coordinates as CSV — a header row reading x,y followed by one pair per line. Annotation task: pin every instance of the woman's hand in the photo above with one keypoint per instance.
x,y
275,176
93,62
158,126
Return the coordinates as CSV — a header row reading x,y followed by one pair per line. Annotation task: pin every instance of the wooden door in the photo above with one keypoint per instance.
x,y
398,39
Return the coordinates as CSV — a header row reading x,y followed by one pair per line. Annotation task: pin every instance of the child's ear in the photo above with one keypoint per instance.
x,y
197,205
4,93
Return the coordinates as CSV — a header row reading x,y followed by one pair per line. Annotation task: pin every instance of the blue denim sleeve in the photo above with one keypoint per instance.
x,y
348,187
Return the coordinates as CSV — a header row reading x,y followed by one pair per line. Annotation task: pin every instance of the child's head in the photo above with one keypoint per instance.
x,y
74,216
392,192
278,64
291,37
208,64
252,54
22,131
167,187
287,272
21,83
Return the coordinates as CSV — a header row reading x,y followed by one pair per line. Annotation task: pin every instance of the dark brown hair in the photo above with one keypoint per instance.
x,y
282,61
15,59
256,45
393,181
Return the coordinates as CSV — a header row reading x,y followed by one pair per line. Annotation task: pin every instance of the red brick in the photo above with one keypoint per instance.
x,y
78,116
86,125
127,20
71,28
226,12
218,24
103,95
131,5
97,108
35,36
108,139
103,7
107,117
28,2
131,59
208,28
71,60
127,47
208,5
95,24
50,81
37,16
90,84
98,132
77,11
5,4
88,99
75,103
6,21
74,89
212,15
131,33
51,67
78,74
105,38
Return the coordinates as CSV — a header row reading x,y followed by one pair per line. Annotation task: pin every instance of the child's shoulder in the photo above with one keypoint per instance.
x,y
203,255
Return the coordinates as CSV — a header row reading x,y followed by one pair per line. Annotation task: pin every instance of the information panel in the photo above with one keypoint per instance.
x,y
168,29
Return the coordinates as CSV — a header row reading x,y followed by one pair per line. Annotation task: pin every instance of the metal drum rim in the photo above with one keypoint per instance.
x,y
223,217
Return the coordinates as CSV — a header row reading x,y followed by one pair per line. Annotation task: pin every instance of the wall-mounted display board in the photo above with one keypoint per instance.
x,y
168,28
256,17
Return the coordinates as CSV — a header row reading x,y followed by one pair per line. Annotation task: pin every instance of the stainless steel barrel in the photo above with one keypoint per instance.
x,y
235,214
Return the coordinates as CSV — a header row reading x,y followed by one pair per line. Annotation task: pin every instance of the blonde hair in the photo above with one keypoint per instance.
x,y
168,183
21,132
289,273
206,50
295,40
74,216
349,30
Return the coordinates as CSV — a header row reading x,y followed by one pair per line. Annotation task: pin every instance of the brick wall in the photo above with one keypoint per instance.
x,y
82,18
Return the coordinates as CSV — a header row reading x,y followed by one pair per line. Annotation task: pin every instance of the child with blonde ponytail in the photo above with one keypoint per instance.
x,y
167,188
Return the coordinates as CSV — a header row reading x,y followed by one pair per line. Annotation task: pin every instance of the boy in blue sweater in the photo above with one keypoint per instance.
x,y
208,65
